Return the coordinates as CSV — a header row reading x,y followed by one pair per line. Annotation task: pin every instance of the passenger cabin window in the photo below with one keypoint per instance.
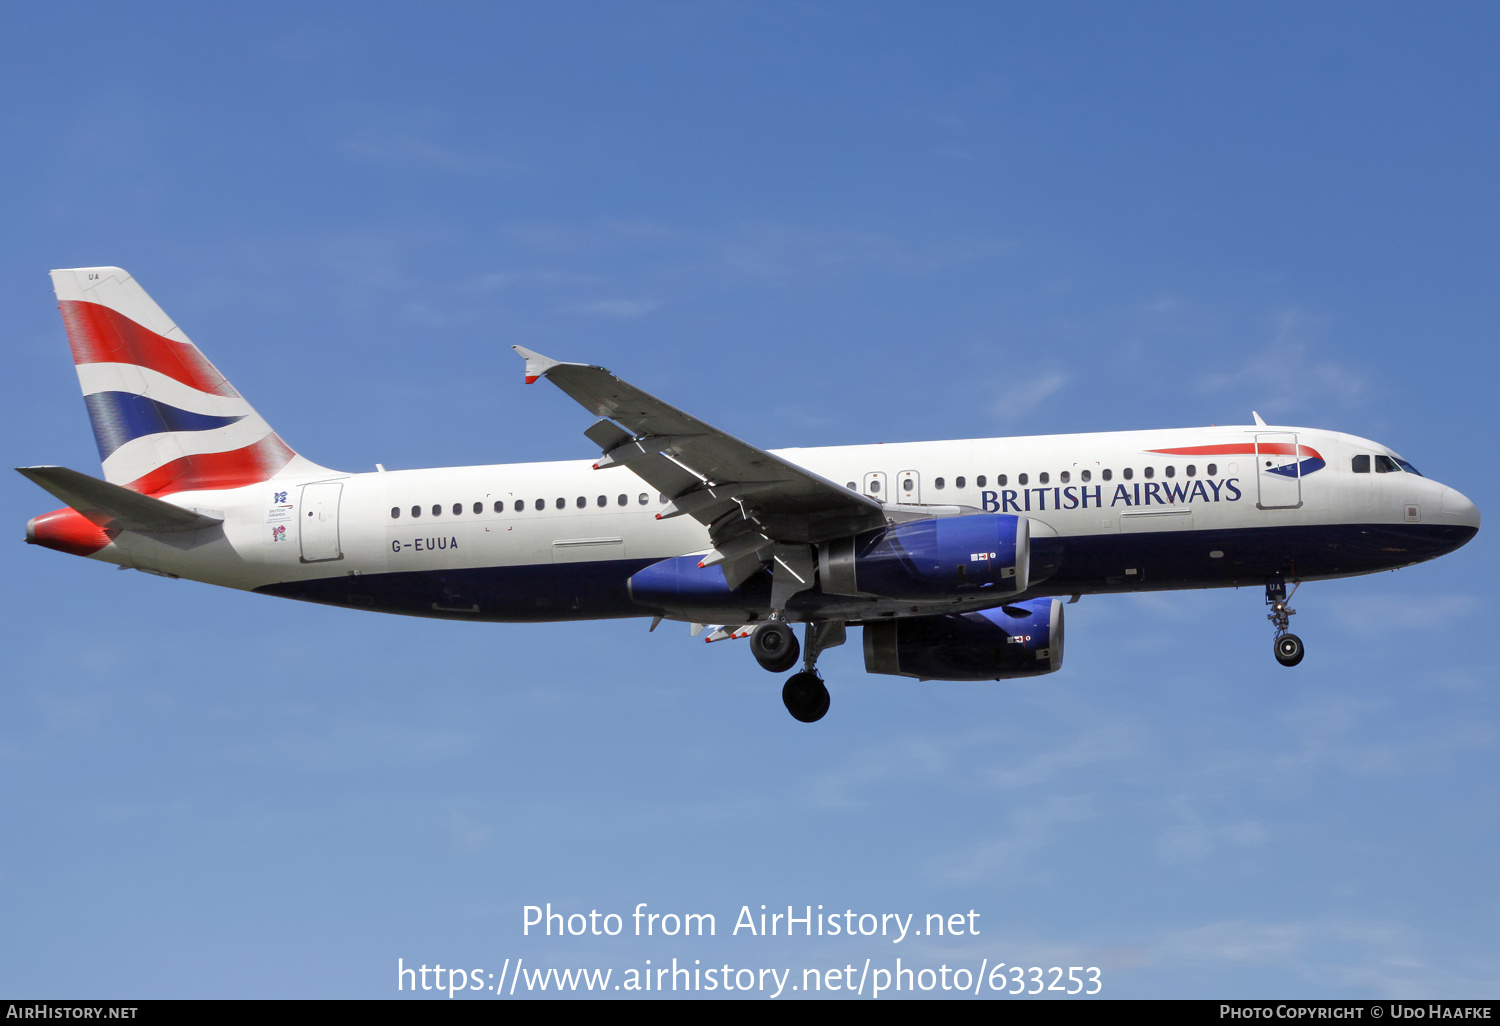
x,y
416,511
458,508
936,483
1170,472
1129,473
499,506
1065,477
850,485
582,502
1192,471
437,510
1085,475
1360,464
624,500
395,512
1001,482
1386,465
603,501
874,487
562,503
520,505
1108,475
1150,473
644,499
541,505
1043,477
1213,468
478,507
958,482
979,481
1021,479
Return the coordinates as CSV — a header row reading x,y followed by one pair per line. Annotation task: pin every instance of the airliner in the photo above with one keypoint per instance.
x,y
954,557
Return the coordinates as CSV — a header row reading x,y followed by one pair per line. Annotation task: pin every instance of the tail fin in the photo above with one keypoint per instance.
x,y
164,418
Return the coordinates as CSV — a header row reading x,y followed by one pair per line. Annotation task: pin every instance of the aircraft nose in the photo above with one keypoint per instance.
x,y
1457,509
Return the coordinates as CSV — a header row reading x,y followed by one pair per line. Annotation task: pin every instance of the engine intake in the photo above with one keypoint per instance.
x,y
1020,640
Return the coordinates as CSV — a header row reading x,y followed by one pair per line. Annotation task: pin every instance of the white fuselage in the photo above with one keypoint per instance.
x,y
1105,496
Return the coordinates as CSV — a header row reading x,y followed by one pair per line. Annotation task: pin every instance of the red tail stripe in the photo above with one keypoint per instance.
x,y
253,463
99,334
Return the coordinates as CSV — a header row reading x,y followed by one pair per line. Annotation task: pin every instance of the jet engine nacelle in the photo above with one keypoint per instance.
x,y
956,556
1020,640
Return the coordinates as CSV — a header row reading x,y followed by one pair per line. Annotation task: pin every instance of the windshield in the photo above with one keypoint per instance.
x,y
1407,466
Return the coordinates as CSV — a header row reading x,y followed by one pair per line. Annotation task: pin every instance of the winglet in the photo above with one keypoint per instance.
x,y
537,365
1258,421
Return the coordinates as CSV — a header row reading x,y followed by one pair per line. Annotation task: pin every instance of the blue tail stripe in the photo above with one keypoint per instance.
x,y
120,417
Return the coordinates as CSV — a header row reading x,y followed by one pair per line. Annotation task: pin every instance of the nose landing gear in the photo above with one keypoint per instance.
x,y
1287,646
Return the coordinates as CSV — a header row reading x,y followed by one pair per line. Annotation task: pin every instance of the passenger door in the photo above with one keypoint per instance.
x,y
1278,471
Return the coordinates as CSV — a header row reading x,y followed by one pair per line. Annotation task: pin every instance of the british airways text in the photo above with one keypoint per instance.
x,y
1140,493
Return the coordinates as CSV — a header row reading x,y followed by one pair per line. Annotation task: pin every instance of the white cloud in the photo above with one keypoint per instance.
x,y
356,744
1387,959
620,308
1108,743
1019,398
1032,829
1283,374
1371,616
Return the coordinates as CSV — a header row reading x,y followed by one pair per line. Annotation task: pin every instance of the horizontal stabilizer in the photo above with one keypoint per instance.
x,y
107,504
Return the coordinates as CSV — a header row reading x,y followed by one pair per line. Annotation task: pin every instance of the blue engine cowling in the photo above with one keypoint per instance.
x,y
1020,640
680,587
958,556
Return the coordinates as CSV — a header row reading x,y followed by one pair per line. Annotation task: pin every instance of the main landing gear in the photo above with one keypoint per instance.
x,y
805,696
1287,646
775,648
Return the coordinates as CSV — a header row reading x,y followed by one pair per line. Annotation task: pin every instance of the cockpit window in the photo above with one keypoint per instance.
x,y
1408,467
1386,465
1360,464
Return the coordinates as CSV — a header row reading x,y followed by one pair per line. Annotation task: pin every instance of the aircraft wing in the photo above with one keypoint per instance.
x,y
749,499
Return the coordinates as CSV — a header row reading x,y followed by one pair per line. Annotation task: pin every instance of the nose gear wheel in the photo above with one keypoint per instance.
x,y
1287,646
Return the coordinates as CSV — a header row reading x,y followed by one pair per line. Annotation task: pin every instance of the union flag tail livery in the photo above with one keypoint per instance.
x,y
164,418
954,557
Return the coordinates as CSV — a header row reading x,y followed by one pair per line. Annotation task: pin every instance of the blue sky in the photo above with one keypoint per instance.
x,y
811,224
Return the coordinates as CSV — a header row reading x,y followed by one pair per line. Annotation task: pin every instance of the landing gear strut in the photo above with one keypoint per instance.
x,y
804,694
1287,646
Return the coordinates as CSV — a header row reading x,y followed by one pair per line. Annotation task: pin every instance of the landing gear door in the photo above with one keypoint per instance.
x,y
1278,471
319,517
875,486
